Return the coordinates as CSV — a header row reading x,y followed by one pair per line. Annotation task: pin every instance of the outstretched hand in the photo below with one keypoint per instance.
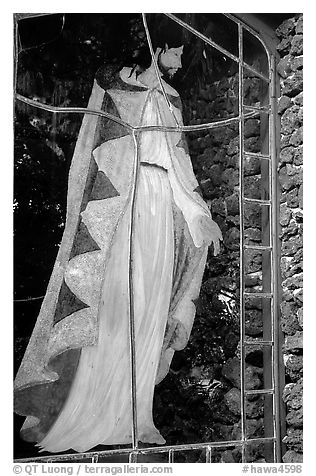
x,y
212,233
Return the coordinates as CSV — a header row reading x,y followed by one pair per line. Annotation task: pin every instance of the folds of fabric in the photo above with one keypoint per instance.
x,y
99,409
75,374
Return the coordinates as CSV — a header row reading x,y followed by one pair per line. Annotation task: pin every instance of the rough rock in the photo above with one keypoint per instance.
x,y
299,26
297,63
292,456
284,67
299,99
294,343
300,317
290,177
295,418
294,439
297,137
292,198
232,204
285,214
283,104
293,395
289,120
293,85
287,155
254,429
254,409
294,367
297,45
252,128
284,46
251,166
218,206
231,371
289,321
286,28
232,239
253,322
253,261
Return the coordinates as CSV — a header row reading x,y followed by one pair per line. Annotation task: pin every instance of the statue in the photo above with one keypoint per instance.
x,y
74,382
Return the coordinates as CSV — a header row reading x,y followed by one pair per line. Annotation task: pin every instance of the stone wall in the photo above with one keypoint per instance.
x,y
290,69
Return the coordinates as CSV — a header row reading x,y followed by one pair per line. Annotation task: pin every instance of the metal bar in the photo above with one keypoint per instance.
x,y
242,244
132,457
158,449
70,110
216,46
171,456
257,200
275,267
157,69
15,55
268,391
257,247
24,16
258,342
208,455
97,112
261,295
131,296
258,108
202,37
95,458
249,29
256,155
267,351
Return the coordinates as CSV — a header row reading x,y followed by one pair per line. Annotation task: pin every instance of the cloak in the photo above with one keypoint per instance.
x,y
101,184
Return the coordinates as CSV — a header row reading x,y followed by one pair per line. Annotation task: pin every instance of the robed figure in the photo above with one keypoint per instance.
x,y
74,381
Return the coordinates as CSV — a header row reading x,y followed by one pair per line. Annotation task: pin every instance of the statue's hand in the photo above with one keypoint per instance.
x,y
212,233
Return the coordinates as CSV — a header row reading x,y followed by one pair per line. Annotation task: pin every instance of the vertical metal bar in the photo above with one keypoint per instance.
x,y
171,456
95,458
208,455
132,457
15,52
157,69
267,257
275,267
241,258
131,295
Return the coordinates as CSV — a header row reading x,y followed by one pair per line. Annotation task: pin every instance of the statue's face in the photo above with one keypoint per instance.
x,y
170,60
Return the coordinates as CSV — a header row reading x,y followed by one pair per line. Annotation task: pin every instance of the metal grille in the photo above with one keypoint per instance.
x,y
269,343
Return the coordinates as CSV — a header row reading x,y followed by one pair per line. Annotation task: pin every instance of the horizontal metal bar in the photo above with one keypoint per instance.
x,y
266,109
72,110
257,247
257,200
158,449
268,391
258,342
256,155
24,16
97,112
263,295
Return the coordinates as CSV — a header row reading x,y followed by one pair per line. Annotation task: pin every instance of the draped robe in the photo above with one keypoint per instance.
x,y
74,380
